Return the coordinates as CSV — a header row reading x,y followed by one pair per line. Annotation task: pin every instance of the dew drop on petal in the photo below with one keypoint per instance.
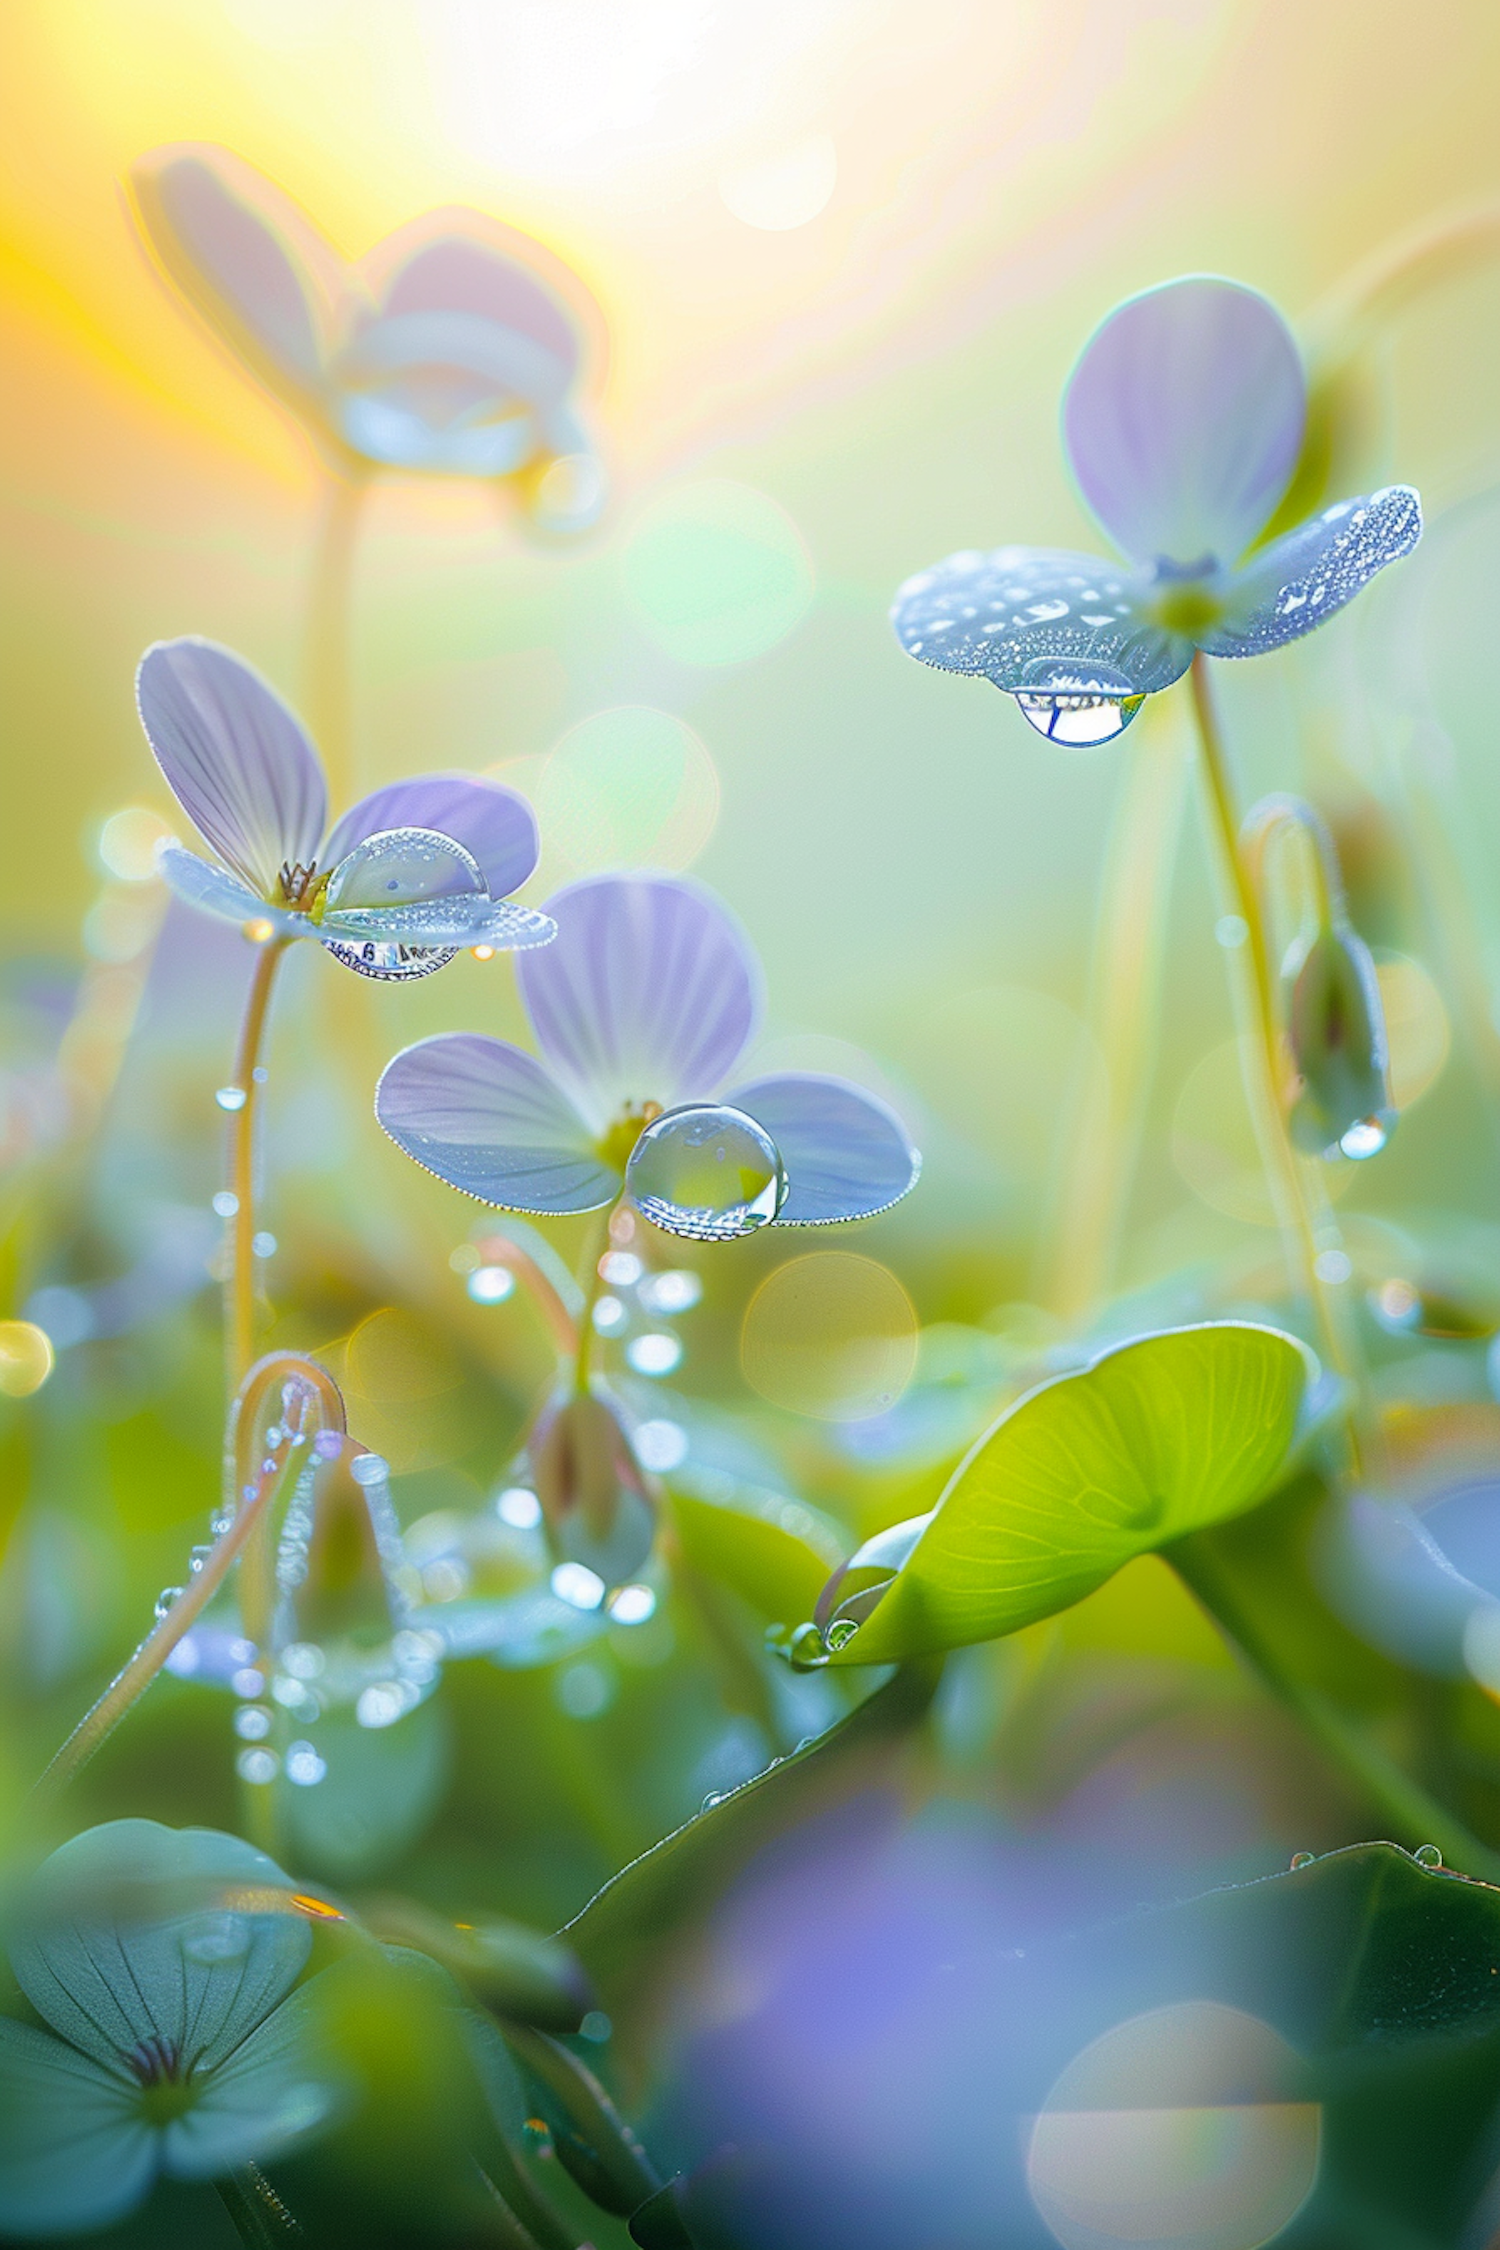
x,y
217,1938
707,1172
1079,721
387,960
1428,1855
491,1285
1365,1138
230,1097
258,1767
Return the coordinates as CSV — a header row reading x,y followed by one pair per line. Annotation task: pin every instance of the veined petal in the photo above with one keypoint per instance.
x,y
491,1121
445,921
492,823
649,994
246,257
1183,420
234,757
213,890
1027,618
136,1933
846,1153
1311,572
75,2150
272,2093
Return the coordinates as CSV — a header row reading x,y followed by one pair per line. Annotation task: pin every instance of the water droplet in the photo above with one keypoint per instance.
x,y
226,1203
622,1269
666,1294
805,1650
519,1508
258,1767
656,1354
304,1767
230,1097
165,1599
398,867
388,961
264,1245
1333,1266
216,1938
369,1468
660,1446
840,1632
1428,1855
610,1316
577,1585
1302,1859
707,1172
632,1605
714,1797
1079,721
595,2027
538,2137
1231,930
491,1285
248,1681
1364,1139
252,1723
197,1557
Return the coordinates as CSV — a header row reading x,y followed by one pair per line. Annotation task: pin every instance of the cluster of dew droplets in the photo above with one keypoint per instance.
x,y
706,1172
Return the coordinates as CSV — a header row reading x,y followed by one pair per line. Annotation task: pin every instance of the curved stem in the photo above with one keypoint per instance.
x,y
593,1290
239,1281
327,666
1417,1816
1308,1242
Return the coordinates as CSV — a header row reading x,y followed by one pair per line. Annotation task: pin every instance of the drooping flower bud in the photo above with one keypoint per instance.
x,y
596,1500
1336,1025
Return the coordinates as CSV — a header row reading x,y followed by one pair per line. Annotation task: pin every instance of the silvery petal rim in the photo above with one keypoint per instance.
x,y
490,1120
1310,573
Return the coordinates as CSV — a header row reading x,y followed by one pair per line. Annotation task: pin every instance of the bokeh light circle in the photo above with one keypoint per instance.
x,y
26,1357
128,841
1416,1023
832,1335
1177,2128
631,787
717,572
1214,1144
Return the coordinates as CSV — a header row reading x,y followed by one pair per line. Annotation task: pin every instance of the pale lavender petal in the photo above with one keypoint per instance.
x,y
475,266
489,1119
491,822
648,995
1309,574
1183,419
213,890
245,256
846,1153
1029,618
234,757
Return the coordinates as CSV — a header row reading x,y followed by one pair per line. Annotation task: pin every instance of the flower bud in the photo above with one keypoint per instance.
x,y
596,1502
340,1548
1336,1025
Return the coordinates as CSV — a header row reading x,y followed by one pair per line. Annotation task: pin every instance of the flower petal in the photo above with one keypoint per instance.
x,y
234,757
446,921
649,994
1183,420
246,257
271,2093
493,823
490,1120
1026,618
1311,572
461,261
213,890
137,1933
846,1153
75,2151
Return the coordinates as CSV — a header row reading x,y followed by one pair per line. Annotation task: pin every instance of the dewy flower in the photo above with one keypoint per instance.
x,y
455,346
1183,421
642,1008
415,871
164,1962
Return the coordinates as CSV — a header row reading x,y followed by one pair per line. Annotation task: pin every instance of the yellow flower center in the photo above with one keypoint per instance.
x,y
620,1137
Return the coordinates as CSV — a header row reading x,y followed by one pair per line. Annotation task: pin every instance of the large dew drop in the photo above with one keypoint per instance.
x,y
707,1172
1079,721
1364,1139
398,867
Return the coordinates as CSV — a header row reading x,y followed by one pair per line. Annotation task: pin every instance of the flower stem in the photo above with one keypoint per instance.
x,y
261,2219
588,2109
327,666
239,1281
499,1250
1308,1238
1416,1816
593,1289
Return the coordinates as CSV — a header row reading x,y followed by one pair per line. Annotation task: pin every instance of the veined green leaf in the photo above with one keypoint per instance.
x,y
1158,1438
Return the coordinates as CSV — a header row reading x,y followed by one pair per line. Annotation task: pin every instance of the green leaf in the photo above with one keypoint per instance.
x,y
774,1552
1156,1439
647,1909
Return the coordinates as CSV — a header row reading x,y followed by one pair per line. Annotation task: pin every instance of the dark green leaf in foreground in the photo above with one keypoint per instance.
x,y
1158,1438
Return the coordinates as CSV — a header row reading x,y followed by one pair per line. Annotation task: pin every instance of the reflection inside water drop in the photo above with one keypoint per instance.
x,y
707,1172
1081,719
215,1938
1365,1138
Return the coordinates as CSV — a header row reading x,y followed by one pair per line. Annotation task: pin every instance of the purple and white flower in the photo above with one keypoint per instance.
x,y
642,1009
455,347
412,873
1183,421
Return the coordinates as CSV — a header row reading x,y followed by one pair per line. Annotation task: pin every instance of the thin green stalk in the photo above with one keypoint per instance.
x,y
1417,1817
261,2220
1308,1231
239,1280
593,1289
588,2108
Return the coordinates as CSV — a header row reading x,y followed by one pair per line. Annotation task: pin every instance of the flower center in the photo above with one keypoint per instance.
x,y
1183,599
620,1137
167,2090
302,888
